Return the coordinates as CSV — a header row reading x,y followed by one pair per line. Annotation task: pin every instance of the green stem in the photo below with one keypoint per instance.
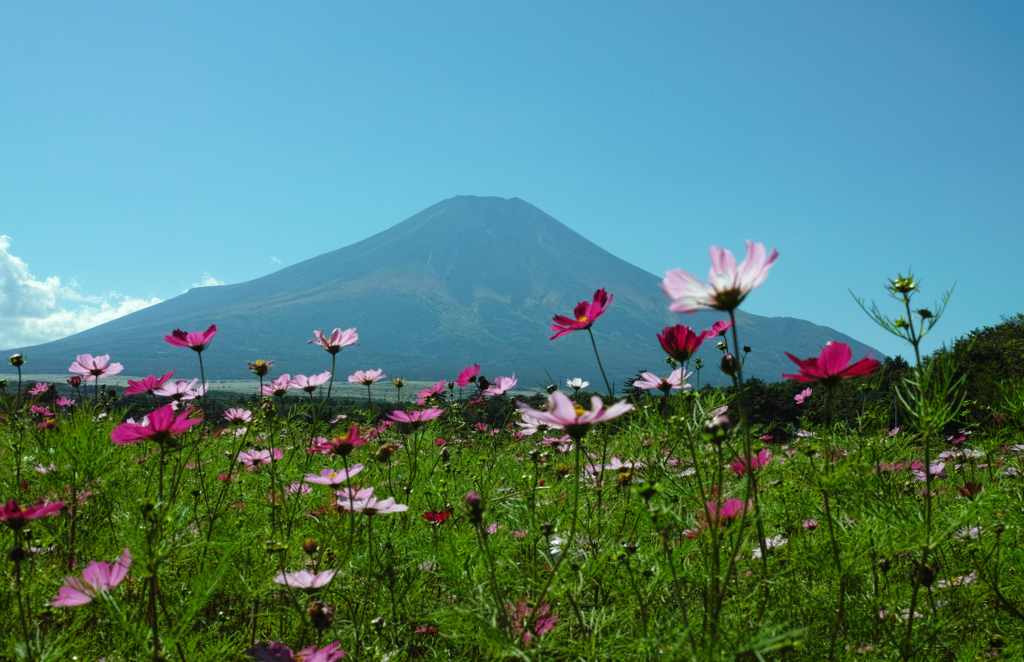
x,y
607,385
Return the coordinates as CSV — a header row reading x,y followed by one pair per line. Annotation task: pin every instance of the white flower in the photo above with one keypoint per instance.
x,y
576,383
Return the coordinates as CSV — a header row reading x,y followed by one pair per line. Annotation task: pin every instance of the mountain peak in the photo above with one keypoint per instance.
x,y
467,280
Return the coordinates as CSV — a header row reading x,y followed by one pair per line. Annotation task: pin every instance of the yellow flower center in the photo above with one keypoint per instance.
x,y
581,319
579,409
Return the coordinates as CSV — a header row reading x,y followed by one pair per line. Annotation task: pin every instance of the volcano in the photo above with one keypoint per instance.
x,y
467,280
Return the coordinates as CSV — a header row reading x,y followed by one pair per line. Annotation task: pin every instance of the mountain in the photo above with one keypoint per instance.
x,y
468,280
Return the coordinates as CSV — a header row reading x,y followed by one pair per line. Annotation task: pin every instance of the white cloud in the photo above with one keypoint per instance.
x,y
37,311
207,281
274,260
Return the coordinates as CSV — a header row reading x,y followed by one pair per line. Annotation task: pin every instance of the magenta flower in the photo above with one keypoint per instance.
x,y
727,284
802,395
17,516
254,459
415,418
562,413
583,316
832,365
720,327
196,340
162,428
148,385
64,402
468,375
371,506
311,383
338,340
729,511
342,446
434,391
278,387
40,411
305,579
673,381
501,385
237,416
334,478
278,652
98,577
93,369
759,461
527,622
680,342
367,377
39,388
181,389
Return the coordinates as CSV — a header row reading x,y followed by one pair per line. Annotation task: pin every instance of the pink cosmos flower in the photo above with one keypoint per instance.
x,y
237,416
278,387
468,375
802,395
181,389
759,461
311,383
305,579
40,411
728,285
427,393
347,496
16,516
64,402
526,623
278,652
501,385
832,365
673,381
533,425
563,413
98,577
196,340
680,342
162,428
338,340
583,316
937,470
730,510
92,369
254,459
341,445
416,418
367,377
148,385
40,387
332,477
371,506
720,327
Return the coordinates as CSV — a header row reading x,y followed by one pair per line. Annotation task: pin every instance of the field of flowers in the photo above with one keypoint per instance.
x,y
661,526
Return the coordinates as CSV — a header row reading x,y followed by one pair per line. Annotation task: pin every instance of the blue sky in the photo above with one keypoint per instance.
x,y
146,148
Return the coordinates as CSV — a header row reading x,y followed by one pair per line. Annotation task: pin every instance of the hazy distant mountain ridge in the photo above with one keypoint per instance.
x,y
468,280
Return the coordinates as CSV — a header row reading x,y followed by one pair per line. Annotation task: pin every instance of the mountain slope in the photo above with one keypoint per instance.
x,y
468,280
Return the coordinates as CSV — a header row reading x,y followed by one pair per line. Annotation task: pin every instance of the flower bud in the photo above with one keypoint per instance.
x,y
321,614
730,365
552,388
716,428
475,507
722,346
451,386
16,360
385,452
309,546
75,381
